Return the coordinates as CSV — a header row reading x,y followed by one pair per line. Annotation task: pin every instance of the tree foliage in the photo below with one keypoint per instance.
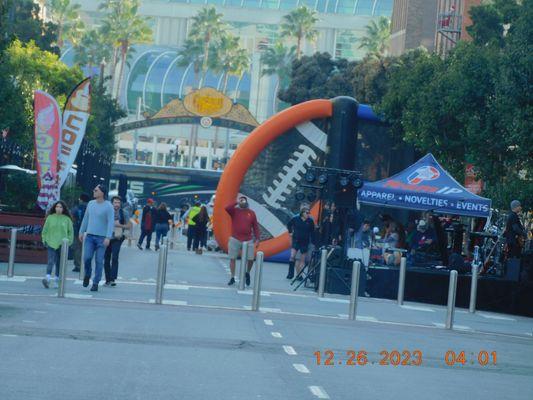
x,y
66,15
474,105
277,60
19,19
317,77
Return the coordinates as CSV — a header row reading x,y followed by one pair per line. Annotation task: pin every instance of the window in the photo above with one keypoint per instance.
x,y
364,7
288,4
252,3
271,4
345,6
384,7
347,45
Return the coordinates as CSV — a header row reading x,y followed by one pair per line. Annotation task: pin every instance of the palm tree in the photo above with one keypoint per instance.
x,y
92,50
69,24
207,28
229,58
277,60
300,24
377,37
125,28
192,52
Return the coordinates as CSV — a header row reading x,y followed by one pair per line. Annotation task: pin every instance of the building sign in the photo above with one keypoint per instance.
x,y
207,102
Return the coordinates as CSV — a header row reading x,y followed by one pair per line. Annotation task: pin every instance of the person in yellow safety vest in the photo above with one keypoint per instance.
x,y
189,216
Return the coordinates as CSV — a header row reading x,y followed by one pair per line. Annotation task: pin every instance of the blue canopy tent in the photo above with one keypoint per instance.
x,y
425,186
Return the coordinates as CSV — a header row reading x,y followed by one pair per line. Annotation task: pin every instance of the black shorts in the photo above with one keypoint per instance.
x,y
300,246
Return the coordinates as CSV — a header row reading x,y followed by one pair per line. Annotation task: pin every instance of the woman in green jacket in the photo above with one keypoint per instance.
x,y
58,226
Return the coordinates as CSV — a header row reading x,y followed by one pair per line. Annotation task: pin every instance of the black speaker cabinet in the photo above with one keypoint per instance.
x,y
512,269
339,281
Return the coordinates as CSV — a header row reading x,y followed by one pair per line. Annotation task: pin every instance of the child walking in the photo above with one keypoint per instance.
x,y
58,226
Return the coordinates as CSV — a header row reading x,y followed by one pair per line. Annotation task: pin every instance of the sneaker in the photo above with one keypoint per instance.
x,y
148,248
231,281
76,269
247,277
94,287
139,246
290,276
113,283
107,283
46,283
156,248
86,281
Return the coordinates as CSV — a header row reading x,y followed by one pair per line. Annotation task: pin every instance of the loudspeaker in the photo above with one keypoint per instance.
x,y
512,269
339,280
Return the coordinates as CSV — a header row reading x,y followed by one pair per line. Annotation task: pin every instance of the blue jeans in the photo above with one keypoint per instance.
x,y
53,259
161,230
94,246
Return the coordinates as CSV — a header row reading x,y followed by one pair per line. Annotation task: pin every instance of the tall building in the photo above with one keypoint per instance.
x,y
154,76
436,25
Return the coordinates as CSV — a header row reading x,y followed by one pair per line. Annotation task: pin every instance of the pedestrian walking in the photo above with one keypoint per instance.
x,y
189,217
147,224
77,215
200,231
98,224
121,222
162,221
57,226
244,228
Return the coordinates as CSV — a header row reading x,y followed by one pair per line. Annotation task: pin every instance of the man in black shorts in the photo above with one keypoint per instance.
x,y
301,229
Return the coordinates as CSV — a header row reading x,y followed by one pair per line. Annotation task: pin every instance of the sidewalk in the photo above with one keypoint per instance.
x,y
201,281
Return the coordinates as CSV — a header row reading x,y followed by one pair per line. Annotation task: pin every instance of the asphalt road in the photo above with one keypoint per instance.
x,y
205,344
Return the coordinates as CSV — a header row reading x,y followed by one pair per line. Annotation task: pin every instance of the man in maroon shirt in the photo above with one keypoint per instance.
x,y
243,224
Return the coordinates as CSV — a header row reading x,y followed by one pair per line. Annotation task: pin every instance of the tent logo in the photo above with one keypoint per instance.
x,y
425,173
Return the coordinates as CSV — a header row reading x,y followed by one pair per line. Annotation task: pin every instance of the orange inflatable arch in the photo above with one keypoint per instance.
x,y
243,158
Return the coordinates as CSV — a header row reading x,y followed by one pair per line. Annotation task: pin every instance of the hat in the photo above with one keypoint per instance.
x,y
514,204
422,225
150,201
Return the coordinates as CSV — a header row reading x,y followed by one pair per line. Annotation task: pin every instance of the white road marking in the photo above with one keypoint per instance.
x,y
171,302
360,318
319,392
290,350
133,279
498,317
14,279
458,327
250,292
78,296
417,308
332,300
39,312
276,335
271,310
28,321
8,335
301,368
176,287
268,322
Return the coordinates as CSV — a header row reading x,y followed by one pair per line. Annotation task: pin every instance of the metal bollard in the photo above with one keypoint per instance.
x,y
473,288
165,263
258,276
160,276
12,249
401,282
244,264
82,258
63,268
322,279
356,271
172,236
452,291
